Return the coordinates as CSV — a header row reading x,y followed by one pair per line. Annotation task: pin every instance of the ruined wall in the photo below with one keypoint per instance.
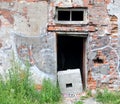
x,y
103,38
104,45
28,28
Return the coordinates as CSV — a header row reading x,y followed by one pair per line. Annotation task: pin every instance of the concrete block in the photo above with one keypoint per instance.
x,y
70,81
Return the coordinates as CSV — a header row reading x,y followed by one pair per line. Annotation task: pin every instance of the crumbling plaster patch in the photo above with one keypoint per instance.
x,y
39,52
25,17
110,50
35,18
113,9
30,19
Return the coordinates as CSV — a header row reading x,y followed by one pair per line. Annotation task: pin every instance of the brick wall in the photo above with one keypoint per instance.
x,y
103,40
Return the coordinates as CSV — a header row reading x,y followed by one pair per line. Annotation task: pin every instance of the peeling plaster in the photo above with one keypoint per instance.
x,y
34,20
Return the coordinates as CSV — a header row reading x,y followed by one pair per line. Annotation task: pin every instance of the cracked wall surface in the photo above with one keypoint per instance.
x,y
29,28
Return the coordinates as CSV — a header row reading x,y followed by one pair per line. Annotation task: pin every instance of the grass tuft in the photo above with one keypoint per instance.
x,y
108,97
18,89
49,93
79,102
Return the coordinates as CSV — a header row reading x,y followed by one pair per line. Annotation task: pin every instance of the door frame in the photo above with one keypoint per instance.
x,y
85,42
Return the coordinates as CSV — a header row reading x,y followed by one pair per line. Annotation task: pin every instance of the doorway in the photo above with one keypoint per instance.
x,y
71,54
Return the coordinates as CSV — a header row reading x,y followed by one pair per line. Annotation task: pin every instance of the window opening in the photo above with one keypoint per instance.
x,y
71,15
64,15
77,16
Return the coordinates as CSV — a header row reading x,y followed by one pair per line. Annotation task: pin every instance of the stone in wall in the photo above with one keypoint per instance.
x,y
91,55
100,41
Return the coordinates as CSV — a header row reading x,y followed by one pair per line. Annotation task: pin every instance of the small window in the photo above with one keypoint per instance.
x,y
71,15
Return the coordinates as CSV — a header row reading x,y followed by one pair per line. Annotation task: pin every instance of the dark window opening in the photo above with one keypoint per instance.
x,y
77,16
68,85
64,15
71,14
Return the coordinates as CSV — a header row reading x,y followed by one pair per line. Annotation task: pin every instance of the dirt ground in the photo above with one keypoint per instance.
x,y
72,99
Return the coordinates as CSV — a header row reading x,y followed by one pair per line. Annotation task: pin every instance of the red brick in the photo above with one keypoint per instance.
x,y
50,28
7,15
115,36
91,28
107,1
91,82
113,18
86,2
52,4
6,0
71,28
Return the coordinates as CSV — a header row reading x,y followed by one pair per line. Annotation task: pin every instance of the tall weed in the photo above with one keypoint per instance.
x,y
49,93
18,89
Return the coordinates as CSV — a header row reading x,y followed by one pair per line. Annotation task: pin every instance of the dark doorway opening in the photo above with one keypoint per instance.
x,y
71,54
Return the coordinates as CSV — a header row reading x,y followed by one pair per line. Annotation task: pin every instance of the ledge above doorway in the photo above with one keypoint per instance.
x,y
67,28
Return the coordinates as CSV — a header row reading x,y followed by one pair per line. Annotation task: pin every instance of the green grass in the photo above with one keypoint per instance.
x,y
79,102
49,93
108,97
18,89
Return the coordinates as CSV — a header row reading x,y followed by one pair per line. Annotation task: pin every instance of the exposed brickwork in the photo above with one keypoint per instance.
x,y
6,0
71,28
7,15
102,29
114,25
92,84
